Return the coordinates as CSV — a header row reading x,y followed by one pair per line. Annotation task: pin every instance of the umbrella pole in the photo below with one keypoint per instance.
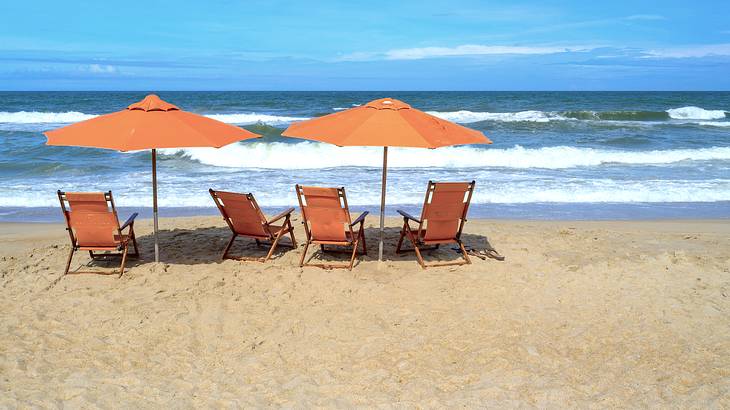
x,y
382,204
154,202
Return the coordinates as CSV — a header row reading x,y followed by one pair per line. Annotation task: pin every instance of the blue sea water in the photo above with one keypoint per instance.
x,y
556,155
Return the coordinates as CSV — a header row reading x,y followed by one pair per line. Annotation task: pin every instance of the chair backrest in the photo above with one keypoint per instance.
x,y
325,213
91,218
444,210
241,212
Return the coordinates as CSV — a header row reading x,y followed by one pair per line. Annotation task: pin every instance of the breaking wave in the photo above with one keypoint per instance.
x,y
311,155
695,113
35,117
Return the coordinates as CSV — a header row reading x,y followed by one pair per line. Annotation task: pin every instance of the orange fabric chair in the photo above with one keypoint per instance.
x,y
244,217
327,222
93,225
442,220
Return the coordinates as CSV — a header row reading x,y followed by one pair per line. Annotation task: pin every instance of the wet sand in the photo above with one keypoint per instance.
x,y
580,314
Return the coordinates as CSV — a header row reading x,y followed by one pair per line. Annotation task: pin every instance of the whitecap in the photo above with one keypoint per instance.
x,y
695,113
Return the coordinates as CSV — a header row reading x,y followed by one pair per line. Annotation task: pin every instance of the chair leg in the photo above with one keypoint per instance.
x,y
304,253
463,253
415,248
68,262
273,246
400,240
354,253
362,238
419,257
228,247
134,243
124,259
291,234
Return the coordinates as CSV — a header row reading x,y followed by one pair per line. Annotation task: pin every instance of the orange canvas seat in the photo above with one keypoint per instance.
x,y
243,215
327,222
442,219
93,225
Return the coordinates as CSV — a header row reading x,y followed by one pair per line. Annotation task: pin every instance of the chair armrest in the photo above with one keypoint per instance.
x,y
130,221
406,215
360,219
281,215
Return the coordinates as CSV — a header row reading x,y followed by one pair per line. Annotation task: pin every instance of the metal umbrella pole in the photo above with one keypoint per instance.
x,y
382,204
154,202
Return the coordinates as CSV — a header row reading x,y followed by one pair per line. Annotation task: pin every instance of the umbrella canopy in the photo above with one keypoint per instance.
x,y
149,124
386,122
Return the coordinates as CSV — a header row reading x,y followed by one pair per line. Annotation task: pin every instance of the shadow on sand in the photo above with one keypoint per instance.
x,y
205,246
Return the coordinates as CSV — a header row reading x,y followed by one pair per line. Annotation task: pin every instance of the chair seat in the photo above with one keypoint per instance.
x,y
119,240
433,241
325,241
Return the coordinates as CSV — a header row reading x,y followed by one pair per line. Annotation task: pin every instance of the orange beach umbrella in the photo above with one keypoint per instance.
x,y
385,123
149,124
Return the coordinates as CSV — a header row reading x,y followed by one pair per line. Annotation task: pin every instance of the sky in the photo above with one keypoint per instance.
x,y
364,45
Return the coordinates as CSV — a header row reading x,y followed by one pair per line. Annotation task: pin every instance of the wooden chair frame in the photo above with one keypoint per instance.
x,y
355,237
122,247
273,237
416,237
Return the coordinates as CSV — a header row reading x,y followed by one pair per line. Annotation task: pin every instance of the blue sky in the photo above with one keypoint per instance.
x,y
373,45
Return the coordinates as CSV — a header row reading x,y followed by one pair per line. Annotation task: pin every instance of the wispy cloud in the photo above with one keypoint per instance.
x,y
419,53
645,17
697,51
101,69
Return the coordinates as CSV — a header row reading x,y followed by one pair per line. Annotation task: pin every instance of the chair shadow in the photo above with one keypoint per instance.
x,y
445,253
205,246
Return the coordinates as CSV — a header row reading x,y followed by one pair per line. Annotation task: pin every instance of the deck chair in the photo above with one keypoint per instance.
x,y
327,222
244,217
442,220
93,225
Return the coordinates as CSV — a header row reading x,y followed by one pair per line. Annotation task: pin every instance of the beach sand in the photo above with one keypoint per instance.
x,y
580,314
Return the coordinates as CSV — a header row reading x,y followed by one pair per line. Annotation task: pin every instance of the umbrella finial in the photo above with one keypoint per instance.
x,y
153,103
387,104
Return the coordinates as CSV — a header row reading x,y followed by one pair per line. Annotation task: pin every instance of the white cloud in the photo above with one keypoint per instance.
x,y
707,50
475,50
420,53
645,17
102,69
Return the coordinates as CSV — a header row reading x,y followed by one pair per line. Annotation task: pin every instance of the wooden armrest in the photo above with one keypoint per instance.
x,y
281,215
130,221
360,219
408,216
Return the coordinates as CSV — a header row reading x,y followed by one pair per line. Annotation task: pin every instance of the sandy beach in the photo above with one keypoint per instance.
x,y
580,314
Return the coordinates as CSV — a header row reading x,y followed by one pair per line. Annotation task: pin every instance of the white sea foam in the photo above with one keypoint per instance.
x,y
466,117
310,155
403,188
254,118
695,113
461,116
35,117
715,123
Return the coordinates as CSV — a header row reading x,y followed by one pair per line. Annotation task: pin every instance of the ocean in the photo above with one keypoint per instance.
x,y
556,155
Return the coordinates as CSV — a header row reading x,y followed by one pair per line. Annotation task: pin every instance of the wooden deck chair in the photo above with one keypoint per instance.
x,y
442,220
327,222
93,225
244,217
